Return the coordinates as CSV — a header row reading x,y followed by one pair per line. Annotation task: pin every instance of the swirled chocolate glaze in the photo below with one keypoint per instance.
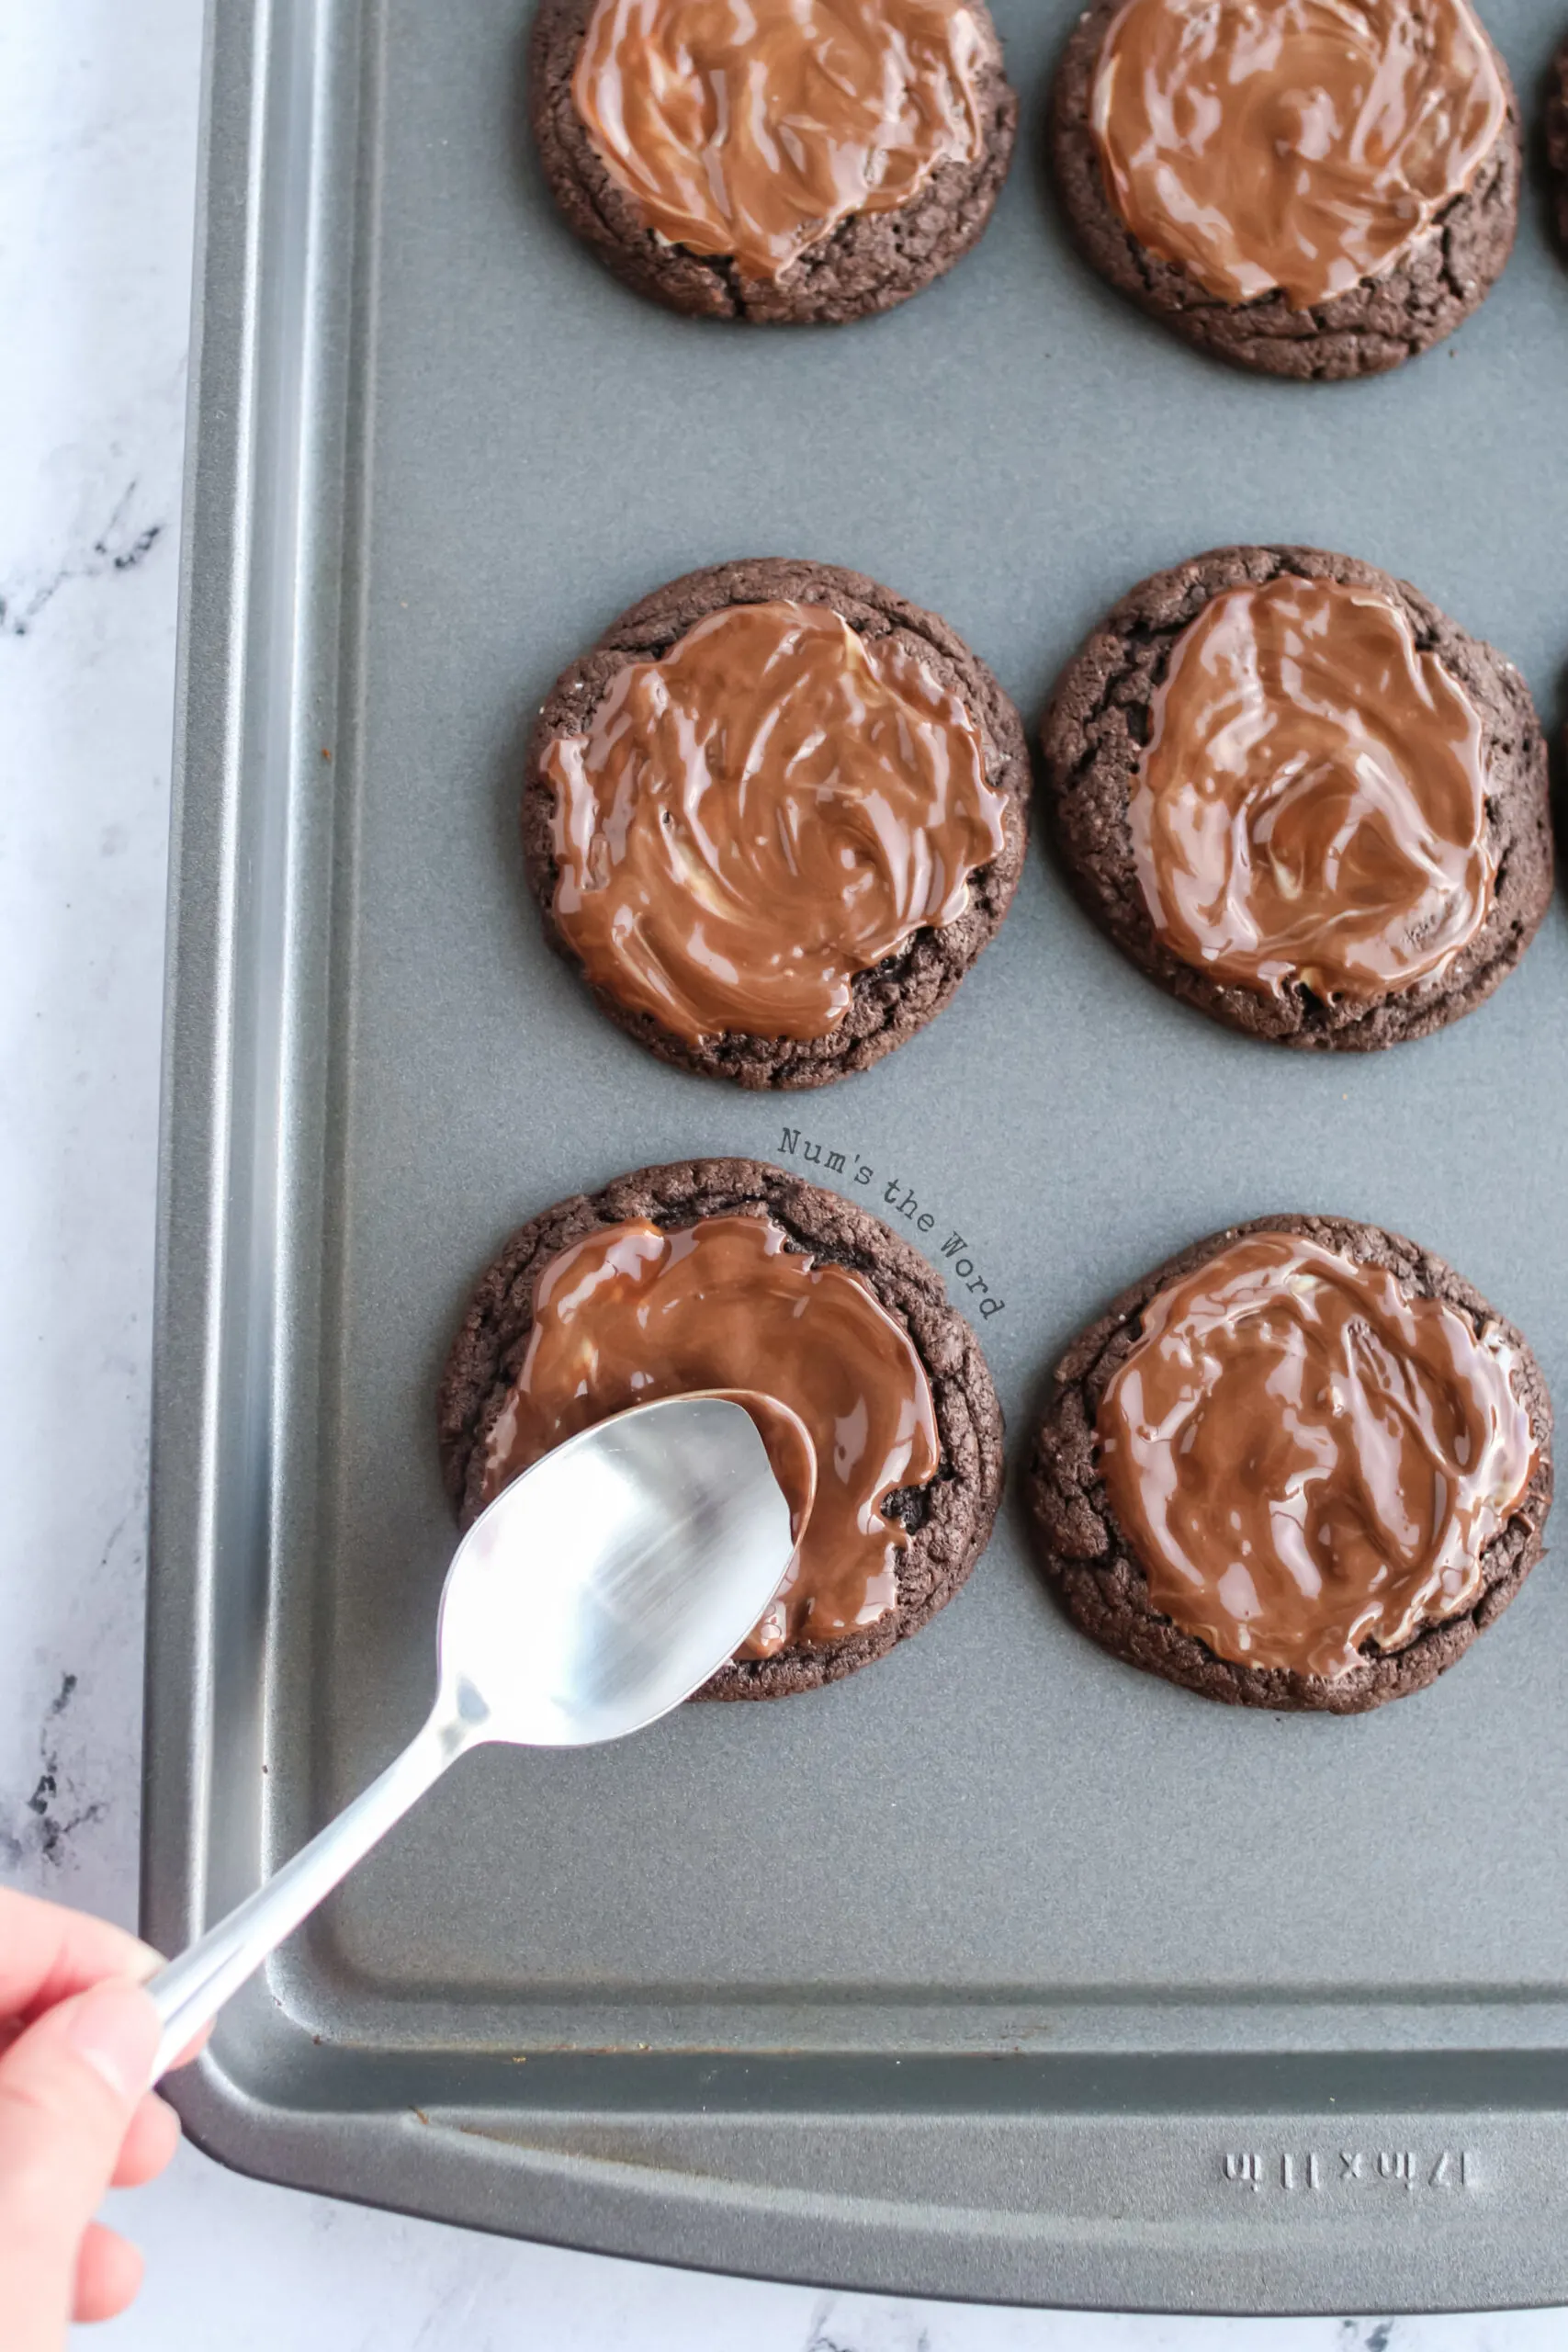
x,y
1311,804
1304,1460
753,128
1302,146
774,806
832,1379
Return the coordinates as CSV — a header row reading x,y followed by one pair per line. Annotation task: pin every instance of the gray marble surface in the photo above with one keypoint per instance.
x,y
98,133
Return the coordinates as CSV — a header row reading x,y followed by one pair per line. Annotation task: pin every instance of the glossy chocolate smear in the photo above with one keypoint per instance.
x,y
772,808
1304,1460
1302,146
1311,804
832,1378
752,127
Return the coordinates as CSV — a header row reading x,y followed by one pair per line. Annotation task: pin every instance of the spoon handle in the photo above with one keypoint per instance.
x,y
191,1990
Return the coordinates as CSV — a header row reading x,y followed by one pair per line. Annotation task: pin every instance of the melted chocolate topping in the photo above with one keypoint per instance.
x,y
777,805
1311,804
1305,1460
752,127
632,1314
1297,145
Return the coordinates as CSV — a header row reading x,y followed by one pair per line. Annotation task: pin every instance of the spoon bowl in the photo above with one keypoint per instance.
x,y
597,1591
608,1582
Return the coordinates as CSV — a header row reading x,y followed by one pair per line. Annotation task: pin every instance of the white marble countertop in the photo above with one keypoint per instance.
x,y
98,136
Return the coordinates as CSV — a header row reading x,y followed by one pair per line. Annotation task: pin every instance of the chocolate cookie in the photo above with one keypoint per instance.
x,y
1217,824
1321,1495
1557,136
658,138
1306,268
775,856
945,1519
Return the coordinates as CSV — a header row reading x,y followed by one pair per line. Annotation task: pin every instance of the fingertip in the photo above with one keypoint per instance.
x,y
193,2048
151,2136
109,2275
47,1953
115,2028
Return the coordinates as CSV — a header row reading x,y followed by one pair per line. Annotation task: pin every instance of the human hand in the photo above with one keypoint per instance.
x,y
78,2036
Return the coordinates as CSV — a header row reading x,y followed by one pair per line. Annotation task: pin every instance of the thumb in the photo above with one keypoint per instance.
x,y
69,2087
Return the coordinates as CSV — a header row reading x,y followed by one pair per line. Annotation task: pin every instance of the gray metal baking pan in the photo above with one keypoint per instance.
x,y
1001,1970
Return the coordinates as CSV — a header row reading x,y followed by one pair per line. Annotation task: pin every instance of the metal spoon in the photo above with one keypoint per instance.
x,y
597,1591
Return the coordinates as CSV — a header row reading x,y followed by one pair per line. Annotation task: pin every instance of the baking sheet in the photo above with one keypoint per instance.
x,y
1000,1969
